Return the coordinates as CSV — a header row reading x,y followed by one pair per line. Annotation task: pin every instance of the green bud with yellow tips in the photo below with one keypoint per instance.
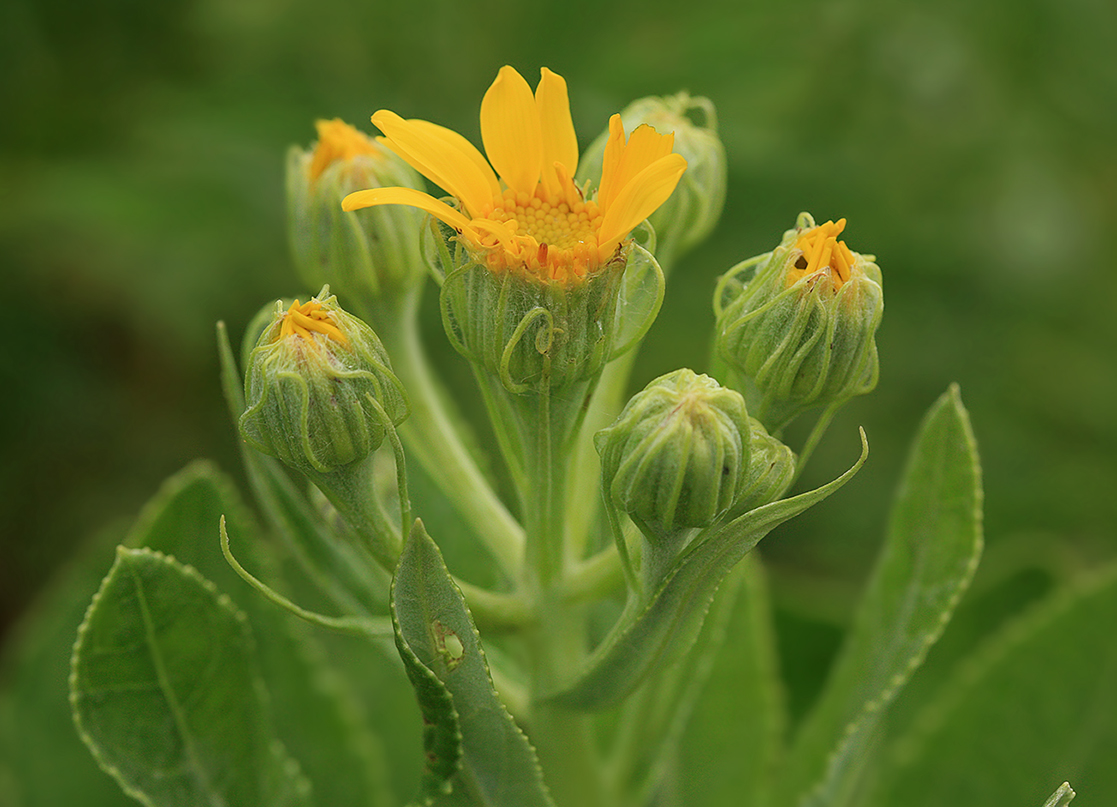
x,y
798,324
319,388
371,254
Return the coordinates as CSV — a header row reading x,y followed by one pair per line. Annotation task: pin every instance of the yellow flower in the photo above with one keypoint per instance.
x,y
823,251
533,217
337,140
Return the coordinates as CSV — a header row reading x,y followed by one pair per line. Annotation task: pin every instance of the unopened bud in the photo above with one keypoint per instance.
x,y
319,388
373,252
678,455
771,470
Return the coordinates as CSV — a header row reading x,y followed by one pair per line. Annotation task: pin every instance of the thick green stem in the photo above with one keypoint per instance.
x,y
431,437
557,642
543,496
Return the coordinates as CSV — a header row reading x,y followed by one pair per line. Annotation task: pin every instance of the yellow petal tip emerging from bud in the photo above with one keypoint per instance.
x,y
823,252
337,140
303,319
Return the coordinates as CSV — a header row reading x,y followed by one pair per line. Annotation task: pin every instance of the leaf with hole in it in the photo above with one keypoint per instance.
x,y
670,624
931,550
476,753
165,692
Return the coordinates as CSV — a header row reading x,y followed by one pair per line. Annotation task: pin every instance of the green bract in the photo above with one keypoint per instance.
x,y
319,399
532,333
770,472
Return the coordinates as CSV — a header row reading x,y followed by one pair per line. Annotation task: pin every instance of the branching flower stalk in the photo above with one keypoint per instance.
x,y
539,283
564,672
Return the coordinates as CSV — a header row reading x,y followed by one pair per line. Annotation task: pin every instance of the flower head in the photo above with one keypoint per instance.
x,y
372,256
533,217
678,455
798,324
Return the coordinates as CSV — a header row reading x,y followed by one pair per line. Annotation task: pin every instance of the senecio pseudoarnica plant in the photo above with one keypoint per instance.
x,y
557,657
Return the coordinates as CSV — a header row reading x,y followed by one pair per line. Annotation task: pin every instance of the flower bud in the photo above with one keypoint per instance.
x,y
800,332
694,208
312,386
367,253
678,454
770,473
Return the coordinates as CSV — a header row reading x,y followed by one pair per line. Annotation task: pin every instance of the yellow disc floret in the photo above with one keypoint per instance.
x,y
552,235
823,252
304,319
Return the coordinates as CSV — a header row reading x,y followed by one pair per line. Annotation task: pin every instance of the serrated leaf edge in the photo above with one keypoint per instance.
x,y
537,767
302,783
420,668
900,679
173,486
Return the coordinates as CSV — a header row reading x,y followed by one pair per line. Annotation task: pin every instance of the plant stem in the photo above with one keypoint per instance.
x,y
431,437
563,738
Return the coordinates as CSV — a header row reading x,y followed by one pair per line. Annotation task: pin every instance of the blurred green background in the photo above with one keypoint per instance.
x,y
970,145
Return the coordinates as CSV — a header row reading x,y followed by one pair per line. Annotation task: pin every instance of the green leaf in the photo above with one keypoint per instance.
x,y
1061,797
314,712
668,627
733,739
931,550
1037,705
474,749
166,693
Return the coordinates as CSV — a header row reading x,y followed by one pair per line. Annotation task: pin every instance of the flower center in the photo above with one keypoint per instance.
x,y
558,224
304,319
822,251
554,238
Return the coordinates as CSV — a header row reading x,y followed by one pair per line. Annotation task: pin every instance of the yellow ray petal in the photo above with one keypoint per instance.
x,y
645,145
438,160
611,160
468,151
410,197
560,143
638,199
510,131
